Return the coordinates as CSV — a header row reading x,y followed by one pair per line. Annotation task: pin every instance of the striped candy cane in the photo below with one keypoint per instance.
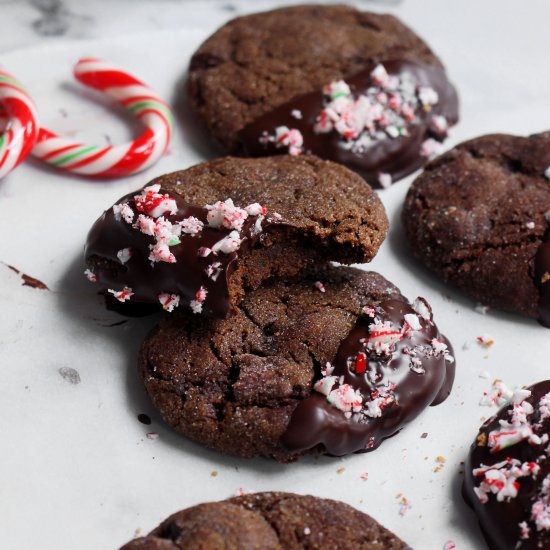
x,y
18,121
119,160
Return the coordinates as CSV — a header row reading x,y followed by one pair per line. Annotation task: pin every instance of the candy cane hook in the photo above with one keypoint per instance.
x,y
20,128
119,160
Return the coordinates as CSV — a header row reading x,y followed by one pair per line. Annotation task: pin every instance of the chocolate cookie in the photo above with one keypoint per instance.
x,y
353,87
199,237
507,477
269,521
478,217
336,362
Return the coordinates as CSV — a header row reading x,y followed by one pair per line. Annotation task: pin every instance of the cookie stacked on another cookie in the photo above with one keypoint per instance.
x,y
269,521
478,216
200,237
270,350
355,87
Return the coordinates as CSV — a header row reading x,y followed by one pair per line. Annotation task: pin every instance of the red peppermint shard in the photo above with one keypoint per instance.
x,y
360,363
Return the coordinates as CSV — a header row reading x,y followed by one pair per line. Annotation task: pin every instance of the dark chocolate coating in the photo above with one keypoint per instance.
x,y
269,521
500,521
234,384
328,213
316,422
478,216
184,277
397,157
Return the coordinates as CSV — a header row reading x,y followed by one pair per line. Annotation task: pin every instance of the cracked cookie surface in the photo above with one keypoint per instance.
x,y
478,216
233,385
269,521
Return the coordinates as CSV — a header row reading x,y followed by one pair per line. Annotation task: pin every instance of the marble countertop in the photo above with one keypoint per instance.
x,y
76,467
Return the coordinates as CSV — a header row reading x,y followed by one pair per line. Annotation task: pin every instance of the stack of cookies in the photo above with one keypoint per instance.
x,y
271,344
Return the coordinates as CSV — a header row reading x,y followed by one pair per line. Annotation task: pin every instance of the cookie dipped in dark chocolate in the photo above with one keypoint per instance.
x,y
507,473
395,151
393,364
176,258
542,278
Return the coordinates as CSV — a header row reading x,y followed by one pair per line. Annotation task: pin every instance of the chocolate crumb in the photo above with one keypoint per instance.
x,y
144,419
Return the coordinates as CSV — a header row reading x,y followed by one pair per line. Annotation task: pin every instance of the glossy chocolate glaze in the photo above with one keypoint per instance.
x,y
542,277
316,422
397,157
500,521
184,277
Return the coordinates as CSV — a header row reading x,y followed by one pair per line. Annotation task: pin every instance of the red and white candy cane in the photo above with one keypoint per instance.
x,y
119,160
18,122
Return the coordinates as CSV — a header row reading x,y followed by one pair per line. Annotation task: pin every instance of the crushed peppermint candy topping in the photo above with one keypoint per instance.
x,y
160,252
384,111
544,407
285,137
152,203
439,125
225,214
346,398
413,321
124,255
485,340
256,209
431,148
385,180
228,244
122,295
547,173
383,337
423,309
501,394
540,511
501,479
191,225
525,530
200,297
213,270
123,212
169,301
449,545
320,286
297,114
91,276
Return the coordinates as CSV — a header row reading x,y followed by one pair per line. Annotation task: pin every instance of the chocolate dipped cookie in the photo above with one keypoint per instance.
x,y
269,521
478,216
358,88
196,239
335,362
507,474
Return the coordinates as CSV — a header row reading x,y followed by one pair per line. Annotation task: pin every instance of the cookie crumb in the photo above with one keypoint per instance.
x,y
320,286
70,375
340,471
214,473
480,308
424,435
144,418
485,340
